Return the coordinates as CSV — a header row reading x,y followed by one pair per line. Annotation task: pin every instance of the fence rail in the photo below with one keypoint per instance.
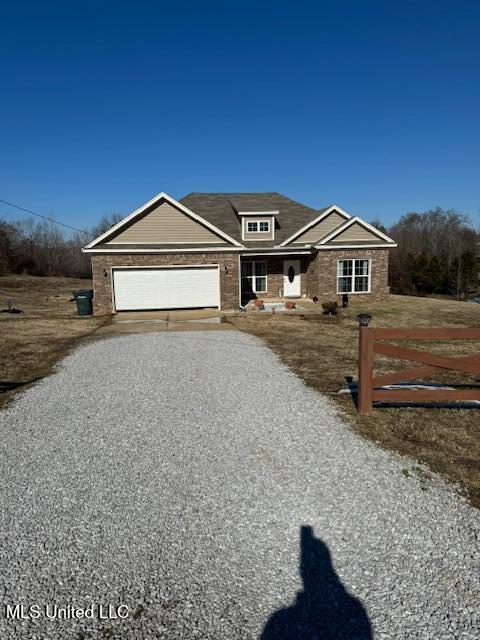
x,y
370,386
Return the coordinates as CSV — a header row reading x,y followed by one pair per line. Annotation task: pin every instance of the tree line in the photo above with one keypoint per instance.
x,y
44,249
438,251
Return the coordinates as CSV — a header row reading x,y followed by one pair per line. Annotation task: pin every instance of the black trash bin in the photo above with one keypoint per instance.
x,y
83,298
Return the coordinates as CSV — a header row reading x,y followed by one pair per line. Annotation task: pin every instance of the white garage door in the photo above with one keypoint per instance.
x,y
167,288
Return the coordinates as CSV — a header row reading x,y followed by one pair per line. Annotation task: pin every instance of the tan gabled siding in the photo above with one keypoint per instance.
x,y
165,224
321,229
356,232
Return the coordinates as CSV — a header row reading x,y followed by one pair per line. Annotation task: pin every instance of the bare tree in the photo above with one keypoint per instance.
x,y
5,247
429,244
105,223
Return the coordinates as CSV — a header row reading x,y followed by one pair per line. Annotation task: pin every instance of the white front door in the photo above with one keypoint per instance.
x,y
291,279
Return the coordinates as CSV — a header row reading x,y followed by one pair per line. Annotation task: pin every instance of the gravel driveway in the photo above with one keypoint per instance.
x,y
195,480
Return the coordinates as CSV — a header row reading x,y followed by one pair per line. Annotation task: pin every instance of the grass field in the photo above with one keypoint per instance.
x,y
323,351
32,342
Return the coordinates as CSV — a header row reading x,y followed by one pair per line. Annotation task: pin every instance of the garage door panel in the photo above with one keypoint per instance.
x,y
171,288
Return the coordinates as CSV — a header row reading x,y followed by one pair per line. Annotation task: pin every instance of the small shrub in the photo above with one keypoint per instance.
x,y
330,308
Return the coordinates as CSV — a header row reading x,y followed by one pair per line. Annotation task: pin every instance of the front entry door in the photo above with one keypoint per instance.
x,y
291,279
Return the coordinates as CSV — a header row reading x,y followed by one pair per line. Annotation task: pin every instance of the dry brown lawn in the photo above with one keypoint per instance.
x,y
32,342
323,351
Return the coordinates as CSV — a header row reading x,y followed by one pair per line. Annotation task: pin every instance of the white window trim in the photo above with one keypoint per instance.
x,y
258,222
253,277
355,293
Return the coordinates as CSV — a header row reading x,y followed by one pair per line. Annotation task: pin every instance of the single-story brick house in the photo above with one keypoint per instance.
x,y
222,249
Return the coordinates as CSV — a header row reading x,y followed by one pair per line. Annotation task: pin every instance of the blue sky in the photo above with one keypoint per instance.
x,y
371,105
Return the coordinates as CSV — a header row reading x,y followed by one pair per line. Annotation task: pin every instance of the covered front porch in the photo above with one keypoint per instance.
x,y
273,276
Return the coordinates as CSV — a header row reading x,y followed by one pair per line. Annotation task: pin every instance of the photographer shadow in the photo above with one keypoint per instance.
x,y
324,610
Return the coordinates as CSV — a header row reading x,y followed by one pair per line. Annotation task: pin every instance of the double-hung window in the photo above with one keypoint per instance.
x,y
353,276
254,277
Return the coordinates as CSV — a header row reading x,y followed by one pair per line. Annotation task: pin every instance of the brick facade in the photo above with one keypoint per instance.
x,y
321,275
318,273
275,273
102,273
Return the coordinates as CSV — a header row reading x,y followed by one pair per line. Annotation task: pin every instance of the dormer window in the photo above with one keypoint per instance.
x,y
258,225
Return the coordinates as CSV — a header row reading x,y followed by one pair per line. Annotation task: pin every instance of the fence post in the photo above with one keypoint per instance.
x,y
365,365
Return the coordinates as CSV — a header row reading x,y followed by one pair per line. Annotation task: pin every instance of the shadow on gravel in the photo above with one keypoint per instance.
x,y
10,386
324,610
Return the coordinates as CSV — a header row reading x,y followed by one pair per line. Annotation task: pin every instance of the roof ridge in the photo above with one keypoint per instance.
x,y
305,206
221,209
233,193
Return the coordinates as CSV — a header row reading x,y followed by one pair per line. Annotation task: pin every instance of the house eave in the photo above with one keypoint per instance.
x,y
306,249
106,251
259,213
329,247
279,252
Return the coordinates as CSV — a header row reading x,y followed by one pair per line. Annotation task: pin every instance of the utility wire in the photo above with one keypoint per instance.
x,y
10,204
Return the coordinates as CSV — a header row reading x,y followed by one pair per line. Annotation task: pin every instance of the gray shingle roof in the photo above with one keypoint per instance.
x,y
221,210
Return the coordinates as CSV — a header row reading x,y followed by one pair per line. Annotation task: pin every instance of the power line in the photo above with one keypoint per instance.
x,y
10,204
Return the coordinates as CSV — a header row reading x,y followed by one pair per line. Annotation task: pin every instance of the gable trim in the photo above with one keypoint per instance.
x,y
178,205
312,223
222,249
174,242
362,223
277,250
334,247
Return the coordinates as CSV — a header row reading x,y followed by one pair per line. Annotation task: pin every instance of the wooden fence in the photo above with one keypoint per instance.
x,y
369,386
